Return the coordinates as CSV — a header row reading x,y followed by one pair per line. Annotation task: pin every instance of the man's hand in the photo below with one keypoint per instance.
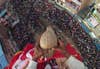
x,y
26,64
61,63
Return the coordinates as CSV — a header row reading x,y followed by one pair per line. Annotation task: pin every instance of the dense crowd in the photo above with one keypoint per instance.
x,y
29,13
22,32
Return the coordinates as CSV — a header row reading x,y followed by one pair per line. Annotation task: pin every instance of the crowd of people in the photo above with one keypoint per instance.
x,y
29,20
29,13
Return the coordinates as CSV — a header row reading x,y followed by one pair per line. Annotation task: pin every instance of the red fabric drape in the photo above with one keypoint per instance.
x,y
13,60
41,63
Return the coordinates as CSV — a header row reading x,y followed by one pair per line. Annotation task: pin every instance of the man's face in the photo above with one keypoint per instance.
x,y
48,52
45,51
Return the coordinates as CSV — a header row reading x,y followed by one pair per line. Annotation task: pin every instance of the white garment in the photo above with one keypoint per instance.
x,y
32,65
16,64
28,55
48,66
73,63
19,64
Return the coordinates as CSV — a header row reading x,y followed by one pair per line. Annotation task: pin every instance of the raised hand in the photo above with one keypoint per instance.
x,y
61,63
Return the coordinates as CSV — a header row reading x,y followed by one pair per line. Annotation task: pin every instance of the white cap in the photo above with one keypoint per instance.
x,y
48,39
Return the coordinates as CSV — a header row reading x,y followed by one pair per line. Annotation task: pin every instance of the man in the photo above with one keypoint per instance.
x,y
49,53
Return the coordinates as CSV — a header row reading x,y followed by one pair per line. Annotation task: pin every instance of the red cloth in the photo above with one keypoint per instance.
x,y
26,49
71,50
7,67
41,66
41,63
13,60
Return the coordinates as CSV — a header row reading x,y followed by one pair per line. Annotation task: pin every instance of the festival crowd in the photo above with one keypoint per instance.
x,y
30,12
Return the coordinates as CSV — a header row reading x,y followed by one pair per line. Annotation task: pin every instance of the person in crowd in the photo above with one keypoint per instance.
x,y
42,8
49,53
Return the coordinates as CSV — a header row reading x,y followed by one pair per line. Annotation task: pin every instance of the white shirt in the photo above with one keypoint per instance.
x,y
74,63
